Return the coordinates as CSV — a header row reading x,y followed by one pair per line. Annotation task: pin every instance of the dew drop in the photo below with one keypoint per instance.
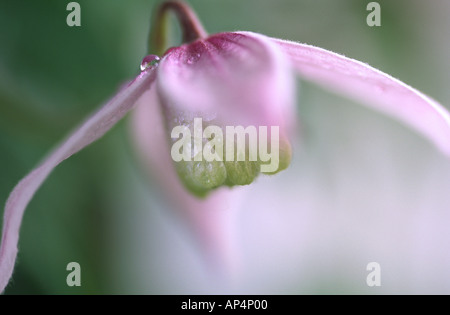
x,y
149,62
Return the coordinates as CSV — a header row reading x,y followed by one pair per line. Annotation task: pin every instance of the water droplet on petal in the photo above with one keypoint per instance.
x,y
149,62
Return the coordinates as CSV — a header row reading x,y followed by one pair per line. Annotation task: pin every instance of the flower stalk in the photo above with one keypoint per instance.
x,y
191,27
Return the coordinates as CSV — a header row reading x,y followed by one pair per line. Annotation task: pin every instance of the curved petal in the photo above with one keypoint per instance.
x,y
370,86
91,130
211,219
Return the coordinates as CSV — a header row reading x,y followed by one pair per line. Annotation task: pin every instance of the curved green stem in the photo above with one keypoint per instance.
x,y
192,28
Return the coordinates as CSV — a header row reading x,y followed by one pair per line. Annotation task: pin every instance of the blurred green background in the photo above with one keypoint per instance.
x,y
52,76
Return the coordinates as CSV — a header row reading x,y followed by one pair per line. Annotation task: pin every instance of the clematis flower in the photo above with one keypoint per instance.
x,y
232,78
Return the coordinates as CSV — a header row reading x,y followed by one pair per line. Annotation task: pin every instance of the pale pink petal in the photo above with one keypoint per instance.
x,y
211,220
370,86
242,78
91,130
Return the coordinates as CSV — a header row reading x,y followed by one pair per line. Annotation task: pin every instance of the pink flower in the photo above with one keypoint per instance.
x,y
234,78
